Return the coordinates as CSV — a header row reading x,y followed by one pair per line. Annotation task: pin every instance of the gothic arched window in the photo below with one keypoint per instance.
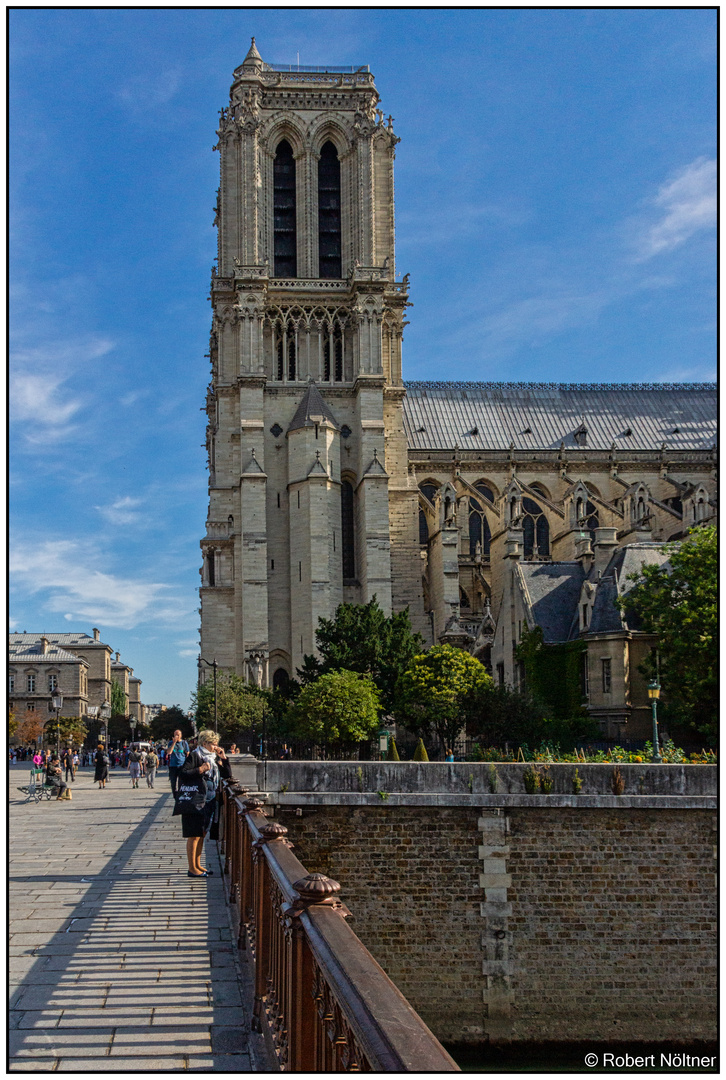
x,y
348,529
285,212
429,490
329,246
536,529
479,531
291,356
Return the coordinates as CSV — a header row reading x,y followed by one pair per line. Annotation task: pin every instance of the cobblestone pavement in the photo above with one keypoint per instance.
x,y
118,960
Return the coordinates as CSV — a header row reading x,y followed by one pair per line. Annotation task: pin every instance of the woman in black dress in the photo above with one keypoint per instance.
x,y
100,776
200,777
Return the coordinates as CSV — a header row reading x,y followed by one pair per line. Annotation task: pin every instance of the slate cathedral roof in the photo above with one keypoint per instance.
x,y
542,416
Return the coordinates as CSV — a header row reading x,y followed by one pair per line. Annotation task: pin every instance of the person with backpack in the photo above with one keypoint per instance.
x,y
196,797
152,762
134,765
100,776
177,751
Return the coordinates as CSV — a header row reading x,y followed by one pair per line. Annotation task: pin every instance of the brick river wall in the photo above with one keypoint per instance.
x,y
531,922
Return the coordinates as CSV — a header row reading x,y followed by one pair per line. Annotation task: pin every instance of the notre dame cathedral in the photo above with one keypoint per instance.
x,y
481,507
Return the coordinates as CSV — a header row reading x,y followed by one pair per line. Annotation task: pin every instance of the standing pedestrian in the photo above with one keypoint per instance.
x,y
199,781
100,776
75,763
134,766
177,751
68,764
152,762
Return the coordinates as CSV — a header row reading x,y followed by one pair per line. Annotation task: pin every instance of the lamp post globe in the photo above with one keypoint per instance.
x,y
105,712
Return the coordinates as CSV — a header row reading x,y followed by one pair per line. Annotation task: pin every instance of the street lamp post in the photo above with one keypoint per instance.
x,y
132,724
57,702
105,713
213,665
654,694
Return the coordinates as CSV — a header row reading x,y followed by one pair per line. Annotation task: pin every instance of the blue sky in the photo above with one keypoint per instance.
x,y
555,190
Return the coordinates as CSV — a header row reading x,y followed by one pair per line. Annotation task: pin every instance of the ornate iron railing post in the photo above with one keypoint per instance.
x,y
302,1008
264,929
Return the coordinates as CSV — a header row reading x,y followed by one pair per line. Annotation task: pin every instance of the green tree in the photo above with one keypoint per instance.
x,y
502,716
437,691
13,723
362,638
165,723
678,601
118,699
240,707
552,673
339,708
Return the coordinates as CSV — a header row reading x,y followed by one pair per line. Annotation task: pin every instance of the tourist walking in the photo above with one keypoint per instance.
x,y
177,751
197,795
134,767
68,765
152,763
100,776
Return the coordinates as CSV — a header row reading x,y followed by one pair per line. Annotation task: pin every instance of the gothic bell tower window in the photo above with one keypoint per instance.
x,y
285,212
479,531
348,530
329,243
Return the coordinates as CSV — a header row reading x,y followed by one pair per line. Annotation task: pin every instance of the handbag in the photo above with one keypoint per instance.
x,y
191,794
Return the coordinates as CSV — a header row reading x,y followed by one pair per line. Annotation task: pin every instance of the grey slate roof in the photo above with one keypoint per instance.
x,y
502,413
554,592
58,639
312,410
27,654
606,616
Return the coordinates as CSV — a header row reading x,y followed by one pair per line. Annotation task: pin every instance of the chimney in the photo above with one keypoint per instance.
x,y
584,553
514,543
44,645
606,541
96,634
118,654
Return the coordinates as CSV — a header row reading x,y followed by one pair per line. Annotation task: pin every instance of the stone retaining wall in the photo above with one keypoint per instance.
x,y
524,918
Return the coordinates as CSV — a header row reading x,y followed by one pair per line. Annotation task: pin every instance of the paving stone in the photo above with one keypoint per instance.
x,y
36,1018
43,1043
74,1018
228,1040
228,1063
38,1065
125,1064
168,1040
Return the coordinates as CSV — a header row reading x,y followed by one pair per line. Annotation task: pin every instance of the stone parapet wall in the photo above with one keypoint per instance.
x,y
470,780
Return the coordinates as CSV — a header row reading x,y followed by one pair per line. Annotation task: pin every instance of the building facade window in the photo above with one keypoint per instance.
x,y
536,530
329,233
285,211
11,684
210,568
53,682
607,677
429,490
500,674
479,531
347,509
31,684
584,678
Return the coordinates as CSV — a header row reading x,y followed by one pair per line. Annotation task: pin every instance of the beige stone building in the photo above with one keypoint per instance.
x,y
98,662
330,479
40,668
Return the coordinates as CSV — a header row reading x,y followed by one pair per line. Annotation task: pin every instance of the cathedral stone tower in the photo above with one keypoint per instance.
x,y
310,498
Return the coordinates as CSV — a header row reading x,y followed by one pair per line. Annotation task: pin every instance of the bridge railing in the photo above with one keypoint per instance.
x,y
321,1000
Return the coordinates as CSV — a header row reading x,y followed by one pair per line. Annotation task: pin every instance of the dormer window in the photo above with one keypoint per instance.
x,y
581,435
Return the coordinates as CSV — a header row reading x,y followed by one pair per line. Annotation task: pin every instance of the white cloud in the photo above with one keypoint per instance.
x,y
687,203
39,398
122,512
189,652
148,91
71,574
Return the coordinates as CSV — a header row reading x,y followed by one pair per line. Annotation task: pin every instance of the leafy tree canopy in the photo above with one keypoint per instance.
x,y
240,707
118,699
678,602
362,638
168,721
501,716
437,691
339,707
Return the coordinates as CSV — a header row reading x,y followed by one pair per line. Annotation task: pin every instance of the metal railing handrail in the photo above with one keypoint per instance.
x,y
322,1001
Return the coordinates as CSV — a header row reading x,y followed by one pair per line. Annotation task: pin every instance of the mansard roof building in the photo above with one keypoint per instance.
x,y
330,478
